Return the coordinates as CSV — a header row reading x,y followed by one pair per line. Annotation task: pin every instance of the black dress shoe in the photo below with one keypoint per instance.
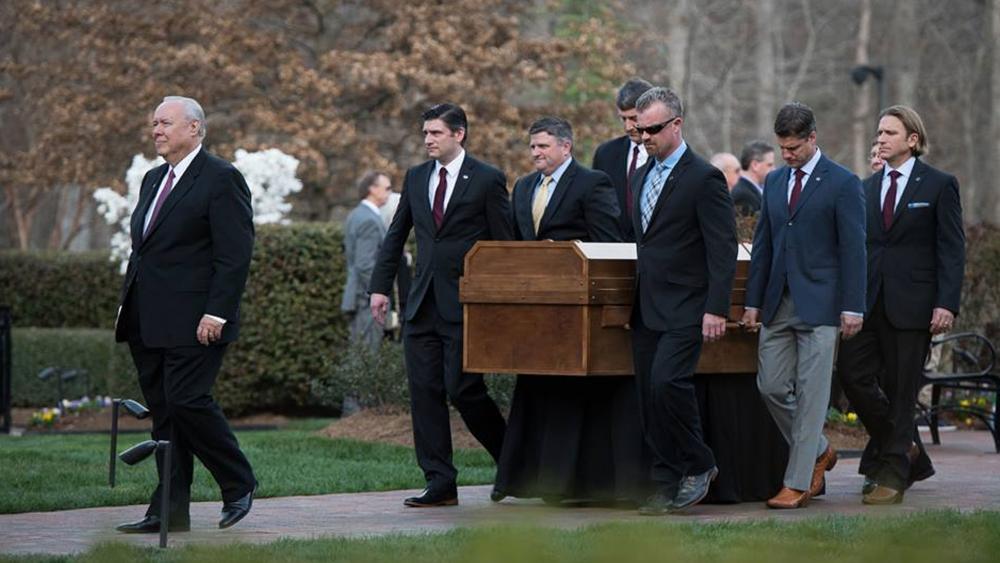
x,y
693,489
433,497
233,512
496,495
151,525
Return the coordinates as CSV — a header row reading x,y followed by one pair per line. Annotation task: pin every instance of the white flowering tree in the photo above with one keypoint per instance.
x,y
269,173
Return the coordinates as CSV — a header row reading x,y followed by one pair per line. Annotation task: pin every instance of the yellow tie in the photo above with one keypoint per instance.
x,y
538,206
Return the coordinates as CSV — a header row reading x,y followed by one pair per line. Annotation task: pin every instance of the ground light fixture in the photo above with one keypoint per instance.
x,y
134,408
140,452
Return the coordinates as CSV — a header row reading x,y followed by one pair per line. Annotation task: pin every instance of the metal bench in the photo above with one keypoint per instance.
x,y
972,361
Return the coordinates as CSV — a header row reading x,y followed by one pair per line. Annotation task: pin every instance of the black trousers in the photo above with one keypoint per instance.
x,y
177,384
879,369
433,352
668,406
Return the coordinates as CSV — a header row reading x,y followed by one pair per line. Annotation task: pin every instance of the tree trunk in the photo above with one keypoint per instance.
x,y
862,127
767,80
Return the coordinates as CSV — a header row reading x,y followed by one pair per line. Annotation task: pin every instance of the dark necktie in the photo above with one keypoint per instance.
x,y
438,209
159,202
889,205
628,180
796,190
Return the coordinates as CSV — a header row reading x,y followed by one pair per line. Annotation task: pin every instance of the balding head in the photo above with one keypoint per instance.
x,y
729,165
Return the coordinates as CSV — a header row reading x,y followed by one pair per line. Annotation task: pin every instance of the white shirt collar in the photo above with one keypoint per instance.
x,y
905,169
185,162
811,165
453,167
371,206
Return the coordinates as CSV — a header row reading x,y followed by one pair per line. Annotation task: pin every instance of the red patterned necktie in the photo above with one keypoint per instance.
x,y
628,180
159,202
438,210
889,205
796,190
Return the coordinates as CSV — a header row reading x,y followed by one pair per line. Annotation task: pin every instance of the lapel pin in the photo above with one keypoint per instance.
x,y
465,176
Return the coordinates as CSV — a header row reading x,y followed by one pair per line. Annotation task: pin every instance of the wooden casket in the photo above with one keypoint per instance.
x,y
562,308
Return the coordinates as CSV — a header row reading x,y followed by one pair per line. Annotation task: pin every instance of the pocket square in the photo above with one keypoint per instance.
x,y
918,205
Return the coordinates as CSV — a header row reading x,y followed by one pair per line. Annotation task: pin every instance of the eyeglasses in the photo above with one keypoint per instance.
x,y
654,129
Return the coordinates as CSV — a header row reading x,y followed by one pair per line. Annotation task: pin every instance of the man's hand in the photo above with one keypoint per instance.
x,y
209,330
751,320
379,304
941,320
850,325
713,327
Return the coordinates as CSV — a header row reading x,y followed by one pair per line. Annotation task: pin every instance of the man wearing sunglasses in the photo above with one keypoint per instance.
x,y
685,232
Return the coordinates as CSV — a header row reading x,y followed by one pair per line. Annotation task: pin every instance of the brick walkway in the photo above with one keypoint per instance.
x,y
968,477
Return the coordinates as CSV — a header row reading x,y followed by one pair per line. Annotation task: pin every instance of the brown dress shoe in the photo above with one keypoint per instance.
x,y
824,462
883,495
789,498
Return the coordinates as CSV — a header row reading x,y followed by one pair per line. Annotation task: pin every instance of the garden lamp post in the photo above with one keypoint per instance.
x,y
134,408
141,451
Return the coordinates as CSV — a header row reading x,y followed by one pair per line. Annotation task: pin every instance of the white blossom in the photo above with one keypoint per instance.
x,y
270,174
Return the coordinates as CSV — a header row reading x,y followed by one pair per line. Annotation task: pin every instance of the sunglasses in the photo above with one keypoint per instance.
x,y
654,129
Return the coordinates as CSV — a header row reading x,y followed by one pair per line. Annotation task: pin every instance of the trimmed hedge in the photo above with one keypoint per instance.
x,y
292,328
60,289
108,364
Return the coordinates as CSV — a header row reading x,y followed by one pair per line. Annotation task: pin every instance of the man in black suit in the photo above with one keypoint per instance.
x,y
620,157
192,238
686,259
756,160
916,261
568,437
451,201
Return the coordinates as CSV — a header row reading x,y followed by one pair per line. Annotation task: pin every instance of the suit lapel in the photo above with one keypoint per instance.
x,y
814,183
561,187
673,178
522,205
147,194
639,180
178,192
461,188
912,185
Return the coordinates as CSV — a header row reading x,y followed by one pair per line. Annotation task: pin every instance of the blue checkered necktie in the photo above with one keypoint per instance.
x,y
651,191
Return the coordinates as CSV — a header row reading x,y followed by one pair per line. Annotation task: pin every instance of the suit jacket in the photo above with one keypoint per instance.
x,y
363,233
196,256
582,207
612,159
920,261
479,209
818,252
746,198
686,259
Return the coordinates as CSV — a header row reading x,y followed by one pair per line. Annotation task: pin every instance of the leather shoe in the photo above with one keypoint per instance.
x,y
659,503
496,495
789,498
924,473
824,462
151,525
883,495
868,486
233,512
693,489
433,497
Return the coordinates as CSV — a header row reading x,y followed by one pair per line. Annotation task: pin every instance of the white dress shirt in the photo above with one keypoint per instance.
x,y
179,171
451,177
640,158
808,169
905,171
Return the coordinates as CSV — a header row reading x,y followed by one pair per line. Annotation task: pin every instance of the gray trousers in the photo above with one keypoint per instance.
x,y
363,328
793,376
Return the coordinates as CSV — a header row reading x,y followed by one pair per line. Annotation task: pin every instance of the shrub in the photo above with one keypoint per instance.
x,y
49,289
377,378
980,290
108,364
291,329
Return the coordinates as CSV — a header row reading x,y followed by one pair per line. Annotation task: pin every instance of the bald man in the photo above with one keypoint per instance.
x,y
730,167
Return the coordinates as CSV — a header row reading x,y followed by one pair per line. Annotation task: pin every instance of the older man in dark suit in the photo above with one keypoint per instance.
x,y
620,157
451,201
685,232
916,261
568,437
192,238
807,279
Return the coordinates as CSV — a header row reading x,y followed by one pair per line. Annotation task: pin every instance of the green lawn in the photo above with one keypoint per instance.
x,y
932,537
41,472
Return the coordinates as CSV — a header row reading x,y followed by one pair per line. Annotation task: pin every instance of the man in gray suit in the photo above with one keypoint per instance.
x,y
363,234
